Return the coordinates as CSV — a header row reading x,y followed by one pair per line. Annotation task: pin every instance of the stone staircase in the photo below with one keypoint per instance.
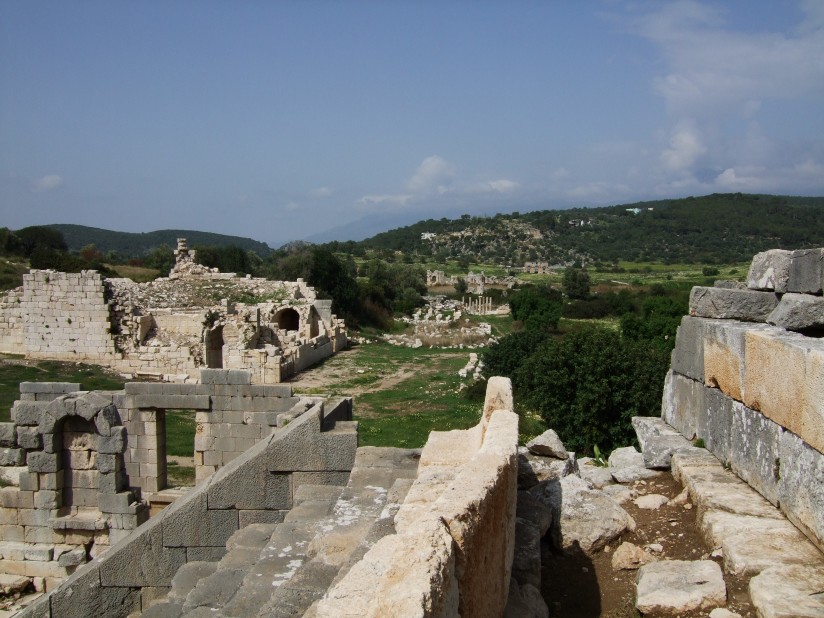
x,y
282,569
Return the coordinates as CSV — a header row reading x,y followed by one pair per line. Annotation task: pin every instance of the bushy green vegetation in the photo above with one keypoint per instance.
x,y
588,381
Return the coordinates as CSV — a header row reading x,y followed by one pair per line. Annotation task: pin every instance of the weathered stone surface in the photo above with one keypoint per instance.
x,y
8,436
770,270
631,474
625,457
620,493
806,271
789,592
525,602
82,595
722,612
586,517
798,312
419,569
630,557
597,476
674,586
647,427
784,380
800,499
142,560
682,397
754,450
659,449
12,457
526,563
548,444
744,305
651,502
533,510
748,552
532,469
687,356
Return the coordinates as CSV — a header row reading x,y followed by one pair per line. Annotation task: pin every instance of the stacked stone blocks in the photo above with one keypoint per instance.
x,y
317,446
747,377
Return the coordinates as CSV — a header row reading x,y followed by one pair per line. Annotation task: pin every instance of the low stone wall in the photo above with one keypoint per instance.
x,y
747,378
453,550
256,487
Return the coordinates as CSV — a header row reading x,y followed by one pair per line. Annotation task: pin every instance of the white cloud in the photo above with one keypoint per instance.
x,y
47,183
321,192
685,148
433,174
491,186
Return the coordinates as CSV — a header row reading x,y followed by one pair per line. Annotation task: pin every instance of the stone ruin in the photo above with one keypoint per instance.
x,y
476,282
172,327
294,519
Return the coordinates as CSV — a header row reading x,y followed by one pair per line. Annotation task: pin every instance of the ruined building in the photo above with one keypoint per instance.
x,y
291,518
172,327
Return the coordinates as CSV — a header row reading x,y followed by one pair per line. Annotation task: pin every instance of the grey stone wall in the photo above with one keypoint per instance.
x,y
747,377
256,486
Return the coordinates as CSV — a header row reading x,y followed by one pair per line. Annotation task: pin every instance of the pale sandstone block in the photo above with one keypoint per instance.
x,y
784,380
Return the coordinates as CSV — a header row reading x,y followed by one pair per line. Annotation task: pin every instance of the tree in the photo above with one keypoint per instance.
x,y
460,286
537,307
161,258
30,238
588,385
576,282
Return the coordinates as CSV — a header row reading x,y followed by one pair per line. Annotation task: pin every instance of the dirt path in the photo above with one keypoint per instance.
x,y
581,586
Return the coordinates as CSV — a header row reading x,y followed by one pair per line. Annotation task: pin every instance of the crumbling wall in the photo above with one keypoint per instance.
x,y
11,322
747,377
453,550
66,316
257,486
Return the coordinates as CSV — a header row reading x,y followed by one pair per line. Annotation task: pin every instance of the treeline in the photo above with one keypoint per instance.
x,y
45,248
718,228
589,381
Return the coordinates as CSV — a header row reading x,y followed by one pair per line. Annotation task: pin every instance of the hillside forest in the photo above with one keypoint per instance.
x,y
587,345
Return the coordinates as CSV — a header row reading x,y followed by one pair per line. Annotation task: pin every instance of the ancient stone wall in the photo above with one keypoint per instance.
x,y
169,328
452,554
747,378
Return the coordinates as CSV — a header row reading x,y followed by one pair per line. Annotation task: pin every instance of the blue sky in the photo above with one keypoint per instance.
x,y
279,120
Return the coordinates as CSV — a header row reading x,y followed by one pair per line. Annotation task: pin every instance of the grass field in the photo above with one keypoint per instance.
x,y
13,371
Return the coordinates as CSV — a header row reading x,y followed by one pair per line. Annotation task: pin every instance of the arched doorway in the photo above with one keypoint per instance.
x,y
288,319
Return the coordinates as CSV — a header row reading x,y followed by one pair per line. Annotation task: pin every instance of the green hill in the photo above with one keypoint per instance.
x,y
129,244
718,228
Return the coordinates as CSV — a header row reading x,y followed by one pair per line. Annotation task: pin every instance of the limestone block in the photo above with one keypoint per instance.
x,y
800,498
659,450
682,397
532,469
8,436
90,404
676,586
213,529
784,380
27,412
29,438
625,457
401,575
724,354
647,427
798,312
770,270
548,444
113,444
806,271
44,462
193,402
744,305
122,502
47,499
754,451
715,423
12,457
301,446
791,591
82,595
688,354
142,560
107,418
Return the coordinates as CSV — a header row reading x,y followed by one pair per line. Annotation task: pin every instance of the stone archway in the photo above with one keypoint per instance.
x,y
288,319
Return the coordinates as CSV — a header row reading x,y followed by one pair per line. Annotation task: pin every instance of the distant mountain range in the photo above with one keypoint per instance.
x,y
720,228
131,244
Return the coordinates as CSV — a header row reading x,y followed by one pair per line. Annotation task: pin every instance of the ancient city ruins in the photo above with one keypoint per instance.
x,y
290,517
172,327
